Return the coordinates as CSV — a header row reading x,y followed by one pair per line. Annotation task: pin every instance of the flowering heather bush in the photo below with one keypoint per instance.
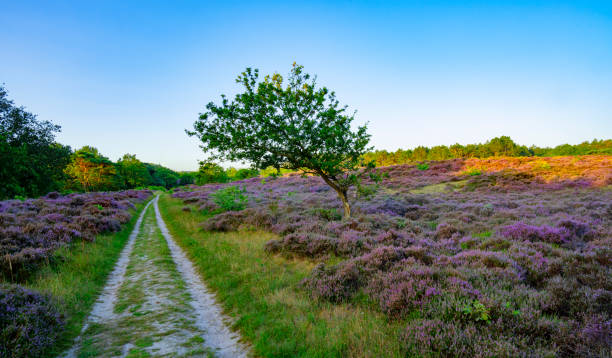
x,y
31,230
589,168
526,243
29,322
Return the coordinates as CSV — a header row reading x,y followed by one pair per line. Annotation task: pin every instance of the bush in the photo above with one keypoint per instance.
x,y
336,284
31,231
231,198
29,323
399,293
422,166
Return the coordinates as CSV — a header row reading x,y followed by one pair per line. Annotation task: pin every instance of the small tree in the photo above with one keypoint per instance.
x,y
296,126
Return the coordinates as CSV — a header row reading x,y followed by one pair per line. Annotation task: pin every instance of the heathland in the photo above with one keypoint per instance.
x,y
323,248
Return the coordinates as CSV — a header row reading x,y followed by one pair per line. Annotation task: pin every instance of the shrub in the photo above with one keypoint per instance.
x,y
520,231
422,166
336,284
231,198
31,231
540,242
398,293
303,244
29,323
436,338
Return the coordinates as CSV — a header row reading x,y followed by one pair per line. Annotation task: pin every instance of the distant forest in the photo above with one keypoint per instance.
x,y
496,147
32,163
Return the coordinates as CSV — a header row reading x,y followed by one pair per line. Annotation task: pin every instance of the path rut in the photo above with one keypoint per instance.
x,y
155,304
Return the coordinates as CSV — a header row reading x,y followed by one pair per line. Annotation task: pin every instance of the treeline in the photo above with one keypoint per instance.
x,y
499,146
210,172
32,163
88,170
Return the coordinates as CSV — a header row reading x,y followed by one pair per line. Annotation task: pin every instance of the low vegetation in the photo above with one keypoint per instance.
x,y
511,260
263,293
483,250
56,254
32,230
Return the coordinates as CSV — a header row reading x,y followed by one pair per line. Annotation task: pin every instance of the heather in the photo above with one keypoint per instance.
x,y
30,322
33,229
513,258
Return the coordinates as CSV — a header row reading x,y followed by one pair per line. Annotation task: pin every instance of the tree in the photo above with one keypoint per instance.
x,y
186,178
163,176
133,172
294,125
31,162
210,172
91,171
502,146
439,152
420,153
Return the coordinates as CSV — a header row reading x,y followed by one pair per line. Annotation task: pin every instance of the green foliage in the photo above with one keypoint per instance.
x,y
89,170
133,172
327,214
499,146
32,162
273,172
422,166
476,311
162,176
291,124
186,178
210,172
483,234
240,174
231,198
472,172
368,191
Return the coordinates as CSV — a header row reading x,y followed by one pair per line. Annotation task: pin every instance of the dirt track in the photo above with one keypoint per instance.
x,y
155,304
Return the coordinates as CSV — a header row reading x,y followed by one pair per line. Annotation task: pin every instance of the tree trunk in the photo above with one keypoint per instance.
x,y
342,194
345,204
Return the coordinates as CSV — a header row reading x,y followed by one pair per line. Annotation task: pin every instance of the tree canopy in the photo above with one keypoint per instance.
x,y
31,162
292,124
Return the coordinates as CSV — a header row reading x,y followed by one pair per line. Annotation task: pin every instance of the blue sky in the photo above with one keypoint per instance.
x,y
130,77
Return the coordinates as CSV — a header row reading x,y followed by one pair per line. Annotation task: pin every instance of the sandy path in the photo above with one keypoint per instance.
x,y
155,304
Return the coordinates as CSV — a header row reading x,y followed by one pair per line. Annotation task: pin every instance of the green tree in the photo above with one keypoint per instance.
x,y
210,172
420,153
31,162
186,178
91,171
294,125
163,176
440,152
457,151
502,146
133,172
245,173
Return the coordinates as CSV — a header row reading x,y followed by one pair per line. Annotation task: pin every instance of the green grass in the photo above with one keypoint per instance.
x,y
440,188
262,292
79,276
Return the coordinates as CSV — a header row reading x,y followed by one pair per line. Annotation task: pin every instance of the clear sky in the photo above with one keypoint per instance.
x,y
131,76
